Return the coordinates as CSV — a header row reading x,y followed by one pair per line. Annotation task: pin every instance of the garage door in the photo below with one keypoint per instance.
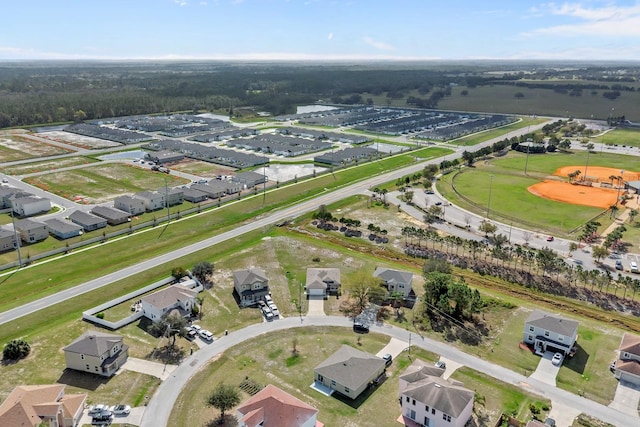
x,y
629,378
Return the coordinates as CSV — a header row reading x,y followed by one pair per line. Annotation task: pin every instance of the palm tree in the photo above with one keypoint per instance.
x,y
633,213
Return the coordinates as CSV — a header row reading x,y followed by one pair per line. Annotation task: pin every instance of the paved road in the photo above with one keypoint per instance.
x,y
161,404
301,208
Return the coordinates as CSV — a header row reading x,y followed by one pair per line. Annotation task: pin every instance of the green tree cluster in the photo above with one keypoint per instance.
x,y
445,295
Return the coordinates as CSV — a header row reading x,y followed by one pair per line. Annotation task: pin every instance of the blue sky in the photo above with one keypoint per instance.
x,y
320,29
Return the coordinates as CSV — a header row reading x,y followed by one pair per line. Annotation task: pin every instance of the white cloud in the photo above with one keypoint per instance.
x,y
180,2
330,36
617,21
377,44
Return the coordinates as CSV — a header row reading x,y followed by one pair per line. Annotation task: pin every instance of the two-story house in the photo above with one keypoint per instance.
x,y
152,200
251,285
130,204
31,231
431,401
174,297
273,407
627,367
97,353
547,332
37,405
396,281
322,281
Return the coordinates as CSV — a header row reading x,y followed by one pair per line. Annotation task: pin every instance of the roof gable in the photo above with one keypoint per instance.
x,y
630,343
440,394
552,323
350,366
94,343
273,407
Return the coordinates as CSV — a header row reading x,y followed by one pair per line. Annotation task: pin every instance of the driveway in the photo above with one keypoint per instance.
x,y
626,399
451,367
546,371
134,418
155,369
316,306
563,414
394,347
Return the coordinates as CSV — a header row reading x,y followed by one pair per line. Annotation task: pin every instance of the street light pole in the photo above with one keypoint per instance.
x,y
489,200
16,238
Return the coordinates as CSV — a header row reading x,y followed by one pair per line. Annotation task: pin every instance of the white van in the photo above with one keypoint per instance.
x,y
633,267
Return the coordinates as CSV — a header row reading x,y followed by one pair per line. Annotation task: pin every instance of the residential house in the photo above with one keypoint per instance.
x,y
152,200
164,156
31,231
273,407
547,332
36,405
174,297
249,179
87,221
97,353
322,281
112,215
432,401
174,196
349,371
194,196
418,371
8,193
63,229
396,281
251,285
131,204
7,240
30,205
627,367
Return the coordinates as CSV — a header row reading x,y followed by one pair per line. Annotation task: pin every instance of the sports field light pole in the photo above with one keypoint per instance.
x,y
489,201
586,167
620,182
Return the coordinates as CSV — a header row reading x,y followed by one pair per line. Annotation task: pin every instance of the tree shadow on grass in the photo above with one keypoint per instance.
x,y
228,421
172,355
82,380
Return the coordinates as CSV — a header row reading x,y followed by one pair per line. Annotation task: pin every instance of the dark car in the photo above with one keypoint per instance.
x,y
388,359
619,265
360,328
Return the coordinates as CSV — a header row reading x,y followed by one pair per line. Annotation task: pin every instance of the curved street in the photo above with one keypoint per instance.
x,y
161,404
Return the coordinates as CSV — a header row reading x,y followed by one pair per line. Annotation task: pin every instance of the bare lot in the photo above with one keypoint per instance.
x,y
20,145
36,167
103,183
80,141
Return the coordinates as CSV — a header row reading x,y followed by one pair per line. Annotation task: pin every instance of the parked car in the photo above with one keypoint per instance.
x,y
96,409
557,359
196,327
440,364
550,422
191,334
550,239
121,409
633,267
619,265
360,328
275,312
268,299
105,415
205,335
388,359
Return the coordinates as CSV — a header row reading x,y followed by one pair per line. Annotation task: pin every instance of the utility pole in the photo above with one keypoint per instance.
x,y
17,240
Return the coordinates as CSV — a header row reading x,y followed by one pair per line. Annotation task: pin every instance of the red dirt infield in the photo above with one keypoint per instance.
x,y
582,194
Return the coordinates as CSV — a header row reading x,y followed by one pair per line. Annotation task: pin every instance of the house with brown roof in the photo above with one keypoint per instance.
x,y
97,353
432,401
175,297
33,405
273,407
349,371
627,367
548,332
322,281
251,285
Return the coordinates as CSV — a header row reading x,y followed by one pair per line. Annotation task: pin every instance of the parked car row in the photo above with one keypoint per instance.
x,y
102,414
269,309
194,331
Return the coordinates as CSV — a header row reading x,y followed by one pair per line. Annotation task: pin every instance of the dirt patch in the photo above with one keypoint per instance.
x,y
575,194
598,173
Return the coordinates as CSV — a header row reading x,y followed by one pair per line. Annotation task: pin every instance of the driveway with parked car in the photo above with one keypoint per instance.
x,y
547,370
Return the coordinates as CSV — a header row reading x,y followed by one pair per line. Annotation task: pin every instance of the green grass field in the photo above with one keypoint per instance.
x,y
494,133
621,137
510,200
47,165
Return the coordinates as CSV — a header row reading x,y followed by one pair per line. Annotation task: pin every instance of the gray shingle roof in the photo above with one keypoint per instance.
x,y
93,343
350,366
440,394
552,323
393,276
249,276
